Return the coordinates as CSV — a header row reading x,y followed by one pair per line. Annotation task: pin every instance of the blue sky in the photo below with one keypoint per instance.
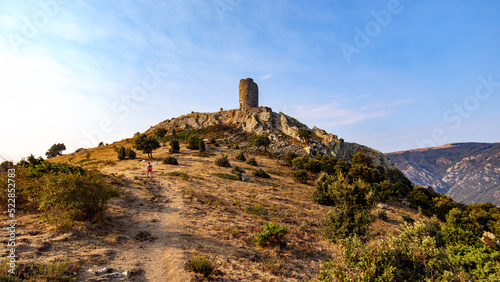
x,y
389,74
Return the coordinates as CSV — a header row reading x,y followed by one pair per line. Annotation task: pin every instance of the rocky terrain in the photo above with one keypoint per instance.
x,y
285,132
467,172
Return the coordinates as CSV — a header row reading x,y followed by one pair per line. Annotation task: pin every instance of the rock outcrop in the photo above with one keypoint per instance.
x,y
283,130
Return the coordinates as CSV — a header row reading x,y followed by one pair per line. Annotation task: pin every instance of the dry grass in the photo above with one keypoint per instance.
x,y
220,214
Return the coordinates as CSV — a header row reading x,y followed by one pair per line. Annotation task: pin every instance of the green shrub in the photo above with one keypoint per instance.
x,y
201,145
382,215
328,164
261,140
256,209
222,161
237,169
241,157
479,261
353,202
273,234
193,142
200,265
289,157
228,176
305,134
252,161
174,146
382,190
411,256
314,166
180,174
299,176
160,132
301,163
261,173
170,160
130,153
121,152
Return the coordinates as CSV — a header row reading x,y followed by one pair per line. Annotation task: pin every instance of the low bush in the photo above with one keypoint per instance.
x,y
180,174
261,173
252,161
256,209
299,176
413,255
161,132
62,192
237,169
382,215
121,153
289,157
130,153
170,160
241,157
200,265
228,176
273,234
193,142
222,161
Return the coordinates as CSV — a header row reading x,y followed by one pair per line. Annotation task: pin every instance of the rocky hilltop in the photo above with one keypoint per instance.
x,y
285,132
467,172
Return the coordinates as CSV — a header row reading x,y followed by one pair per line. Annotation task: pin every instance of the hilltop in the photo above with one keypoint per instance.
x,y
467,172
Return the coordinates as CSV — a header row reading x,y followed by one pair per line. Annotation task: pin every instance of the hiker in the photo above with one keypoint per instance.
x,y
149,170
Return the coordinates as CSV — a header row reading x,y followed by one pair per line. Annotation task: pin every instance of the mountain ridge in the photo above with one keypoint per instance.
x,y
467,172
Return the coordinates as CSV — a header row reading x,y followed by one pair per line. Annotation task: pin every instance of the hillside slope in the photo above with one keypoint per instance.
x,y
467,172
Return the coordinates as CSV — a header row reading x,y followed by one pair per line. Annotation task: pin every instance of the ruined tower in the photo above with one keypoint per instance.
x,y
249,94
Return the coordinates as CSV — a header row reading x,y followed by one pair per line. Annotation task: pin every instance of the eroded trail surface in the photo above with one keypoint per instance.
x,y
148,222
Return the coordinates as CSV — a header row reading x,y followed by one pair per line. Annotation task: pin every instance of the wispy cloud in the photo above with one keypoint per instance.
x,y
335,114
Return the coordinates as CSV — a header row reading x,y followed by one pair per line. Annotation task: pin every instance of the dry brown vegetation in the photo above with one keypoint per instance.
x,y
184,211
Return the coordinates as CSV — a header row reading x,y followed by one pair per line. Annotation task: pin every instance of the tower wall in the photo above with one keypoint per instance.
x,y
249,93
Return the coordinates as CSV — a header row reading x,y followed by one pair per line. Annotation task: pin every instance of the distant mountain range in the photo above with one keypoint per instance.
x,y
467,172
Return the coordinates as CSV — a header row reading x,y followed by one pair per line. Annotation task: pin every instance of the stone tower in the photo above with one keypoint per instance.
x,y
249,94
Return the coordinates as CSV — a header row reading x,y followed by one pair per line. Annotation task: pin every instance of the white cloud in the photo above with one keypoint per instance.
x,y
334,114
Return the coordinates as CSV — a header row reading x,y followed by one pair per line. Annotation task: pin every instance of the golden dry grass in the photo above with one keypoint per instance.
x,y
217,217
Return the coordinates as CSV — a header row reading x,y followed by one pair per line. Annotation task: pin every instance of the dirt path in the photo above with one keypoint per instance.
x,y
153,215
167,258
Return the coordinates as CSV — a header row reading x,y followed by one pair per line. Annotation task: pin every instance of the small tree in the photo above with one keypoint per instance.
x,y
201,145
55,150
261,140
174,146
147,144
192,142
